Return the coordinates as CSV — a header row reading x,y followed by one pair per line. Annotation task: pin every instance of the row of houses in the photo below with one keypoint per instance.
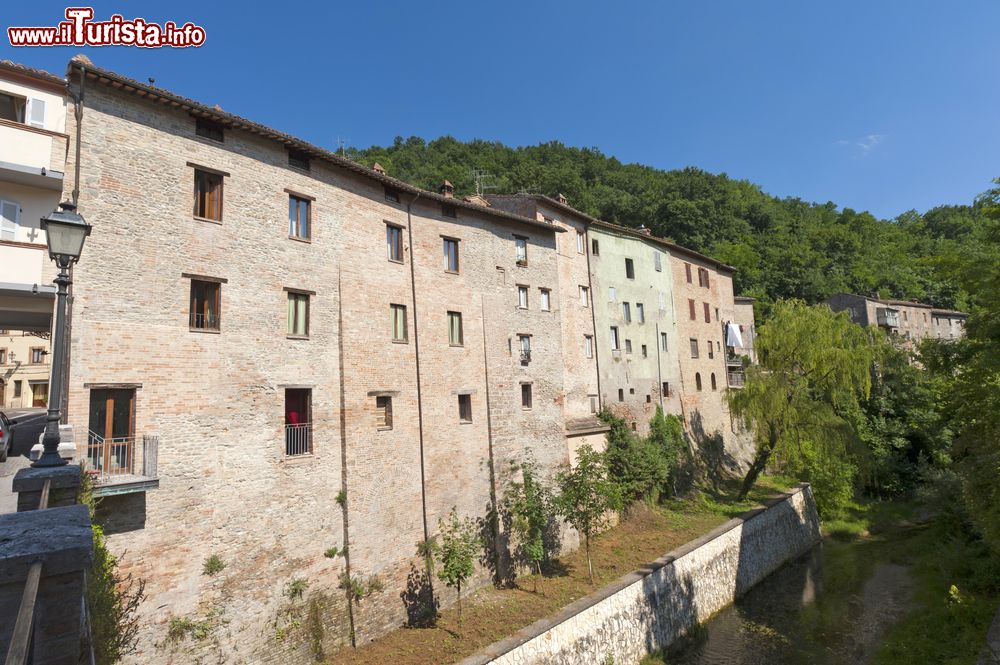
x,y
275,350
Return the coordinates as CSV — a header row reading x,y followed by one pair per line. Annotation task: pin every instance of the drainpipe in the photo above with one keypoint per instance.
x,y
68,348
495,518
659,368
343,453
593,319
416,353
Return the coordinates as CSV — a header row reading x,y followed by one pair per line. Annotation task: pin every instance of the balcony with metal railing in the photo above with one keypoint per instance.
x,y
298,440
122,465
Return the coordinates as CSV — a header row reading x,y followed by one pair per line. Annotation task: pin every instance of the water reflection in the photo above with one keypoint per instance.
x,y
830,606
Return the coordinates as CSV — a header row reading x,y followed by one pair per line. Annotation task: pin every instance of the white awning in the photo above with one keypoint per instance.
x,y
733,337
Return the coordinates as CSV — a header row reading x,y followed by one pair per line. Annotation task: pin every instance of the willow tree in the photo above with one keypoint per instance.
x,y
814,366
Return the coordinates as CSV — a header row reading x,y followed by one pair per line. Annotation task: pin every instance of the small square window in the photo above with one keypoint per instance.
x,y
205,305
38,354
649,398
209,129
525,395
298,159
383,412
298,314
448,210
465,408
631,391
645,354
594,403
391,195
665,389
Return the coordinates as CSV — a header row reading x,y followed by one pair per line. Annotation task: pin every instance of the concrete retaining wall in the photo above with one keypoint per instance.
x,y
648,609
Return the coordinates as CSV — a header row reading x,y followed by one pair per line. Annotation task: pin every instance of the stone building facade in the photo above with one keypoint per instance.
x,y
317,355
909,320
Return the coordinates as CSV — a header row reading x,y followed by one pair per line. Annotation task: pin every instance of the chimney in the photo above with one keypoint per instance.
x,y
378,168
644,231
447,189
562,199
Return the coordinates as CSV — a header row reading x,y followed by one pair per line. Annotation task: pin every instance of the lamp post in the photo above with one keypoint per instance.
x,y
65,232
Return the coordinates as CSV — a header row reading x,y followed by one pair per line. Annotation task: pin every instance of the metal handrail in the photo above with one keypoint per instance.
x,y
298,439
20,640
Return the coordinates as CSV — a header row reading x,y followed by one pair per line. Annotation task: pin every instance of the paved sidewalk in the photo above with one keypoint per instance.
x,y
8,500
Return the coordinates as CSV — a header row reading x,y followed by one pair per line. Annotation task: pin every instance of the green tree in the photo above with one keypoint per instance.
x,y
814,365
587,496
528,502
666,435
459,543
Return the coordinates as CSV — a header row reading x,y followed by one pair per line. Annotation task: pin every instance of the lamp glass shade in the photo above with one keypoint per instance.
x,y
65,232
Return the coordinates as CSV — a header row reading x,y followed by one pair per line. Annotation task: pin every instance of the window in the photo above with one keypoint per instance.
x,y
649,398
657,261
697,380
298,314
448,210
205,305
665,389
208,195
703,277
521,250
905,317
712,379
383,412
298,159
3,356
628,346
716,313
391,195
39,393
522,297
621,394
524,342
644,353
614,338
465,408
299,214
687,272
711,350
450,255
17,388
525,395
595,247
398,321
663,341
631,391
691,310
394,242
588,346
38,355
12,107
298,421
594,403
612,294
455,328
694,348
640,312
545,300
209,129
584,296
662,299
627,312
579,242
707,312
629,269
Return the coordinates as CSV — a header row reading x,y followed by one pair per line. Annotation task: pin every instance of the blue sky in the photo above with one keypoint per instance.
x,y
880,106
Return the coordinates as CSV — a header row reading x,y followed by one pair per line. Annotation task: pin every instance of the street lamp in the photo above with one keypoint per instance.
x,y
65,232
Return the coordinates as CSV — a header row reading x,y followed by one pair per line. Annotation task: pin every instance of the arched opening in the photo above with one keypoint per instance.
x,y
697,380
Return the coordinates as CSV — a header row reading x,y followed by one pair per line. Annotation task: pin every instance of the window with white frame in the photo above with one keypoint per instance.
x,y
522,297
614,338
584,296
10,217
521,253
640,312
612,294
579,242
657,261
588,346
545,299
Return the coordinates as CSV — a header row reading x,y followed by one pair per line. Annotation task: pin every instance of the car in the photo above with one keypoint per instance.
x,y
21,429
6,436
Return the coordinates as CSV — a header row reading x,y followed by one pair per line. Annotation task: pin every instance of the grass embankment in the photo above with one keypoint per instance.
x,y
646,533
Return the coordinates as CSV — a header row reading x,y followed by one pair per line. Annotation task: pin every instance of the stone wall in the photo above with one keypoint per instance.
x,y
650,608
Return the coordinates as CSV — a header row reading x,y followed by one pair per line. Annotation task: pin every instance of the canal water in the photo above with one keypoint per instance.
x,y
831,606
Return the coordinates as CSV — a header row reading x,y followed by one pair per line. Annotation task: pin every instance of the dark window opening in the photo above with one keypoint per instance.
x,y
209,129
298,159
205,305
208,195
298,421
